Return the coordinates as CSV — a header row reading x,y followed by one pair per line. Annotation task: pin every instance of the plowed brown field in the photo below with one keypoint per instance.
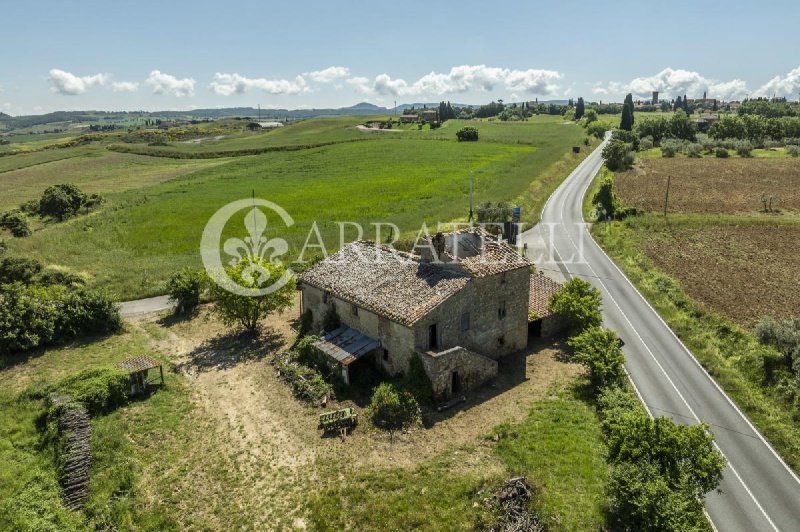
x,y
712,186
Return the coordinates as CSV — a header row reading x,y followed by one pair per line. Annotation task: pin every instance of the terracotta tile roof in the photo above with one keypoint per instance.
x,y
389,283
481,254
542,287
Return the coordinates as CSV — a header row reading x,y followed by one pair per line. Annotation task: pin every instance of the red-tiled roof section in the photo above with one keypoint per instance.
x,y
141,363
384,281
542,287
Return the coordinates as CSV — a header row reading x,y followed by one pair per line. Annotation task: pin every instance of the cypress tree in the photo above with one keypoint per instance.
x,y
579,109
626,122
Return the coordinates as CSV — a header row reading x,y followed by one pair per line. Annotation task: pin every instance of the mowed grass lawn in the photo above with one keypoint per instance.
x,y
144,234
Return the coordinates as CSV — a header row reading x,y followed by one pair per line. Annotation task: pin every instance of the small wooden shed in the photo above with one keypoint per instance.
x,y
139,368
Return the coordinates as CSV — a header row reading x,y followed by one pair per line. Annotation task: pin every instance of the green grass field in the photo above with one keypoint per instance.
x,y
157,207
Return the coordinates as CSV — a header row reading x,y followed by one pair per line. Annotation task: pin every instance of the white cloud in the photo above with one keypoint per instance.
x,y
166,84
67,83
384,84
329,74
462,79
125,86
788,85
360,84
671,83
533,81
227,84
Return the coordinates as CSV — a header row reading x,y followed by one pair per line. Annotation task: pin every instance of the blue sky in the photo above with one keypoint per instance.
x,y
177,55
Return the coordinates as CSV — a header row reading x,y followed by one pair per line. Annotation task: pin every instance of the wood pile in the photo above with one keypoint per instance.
x,y
513,498
75,455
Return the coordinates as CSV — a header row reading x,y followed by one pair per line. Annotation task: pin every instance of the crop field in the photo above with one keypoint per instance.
x,y
94,170
712,186
157,206
741,270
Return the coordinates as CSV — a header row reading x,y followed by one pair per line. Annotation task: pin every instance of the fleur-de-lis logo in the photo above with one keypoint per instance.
x,y
253,248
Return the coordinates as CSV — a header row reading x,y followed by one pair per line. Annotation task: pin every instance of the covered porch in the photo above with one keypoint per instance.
x,y
345,346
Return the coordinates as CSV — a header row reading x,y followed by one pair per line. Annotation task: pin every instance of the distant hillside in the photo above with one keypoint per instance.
x,y
363,108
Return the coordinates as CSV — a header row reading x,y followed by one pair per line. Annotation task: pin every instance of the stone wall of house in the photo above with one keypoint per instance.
x,y
489,331
395,338
470,370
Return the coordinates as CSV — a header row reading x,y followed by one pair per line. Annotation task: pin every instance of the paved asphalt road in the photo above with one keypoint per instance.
x,y
758,492
140,307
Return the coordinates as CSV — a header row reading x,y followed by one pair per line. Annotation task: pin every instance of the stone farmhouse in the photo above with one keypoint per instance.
x,y
460,306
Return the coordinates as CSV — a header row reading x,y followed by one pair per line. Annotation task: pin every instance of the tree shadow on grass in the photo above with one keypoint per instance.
x,y
231,349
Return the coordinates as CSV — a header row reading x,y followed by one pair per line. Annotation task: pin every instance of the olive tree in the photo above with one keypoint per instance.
x,y
236,308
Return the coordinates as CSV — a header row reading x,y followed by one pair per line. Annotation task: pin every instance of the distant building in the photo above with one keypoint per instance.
x,y
655,98
255,126
430,115
408,119
460,305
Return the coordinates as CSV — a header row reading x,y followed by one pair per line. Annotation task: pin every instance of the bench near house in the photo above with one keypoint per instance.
x,y
460,306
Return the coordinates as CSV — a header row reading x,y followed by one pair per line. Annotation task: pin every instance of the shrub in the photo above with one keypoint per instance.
x,y
467,134
693,150
331,321
605,199
17,223
577,304
60,276
417,381
184,288
669,148
61,201
35,316
615,153
646,143
19,270
306,383
100,389
793,150
641,499
722,153
599,351
247,310
393,410
744,149
596,129
614,403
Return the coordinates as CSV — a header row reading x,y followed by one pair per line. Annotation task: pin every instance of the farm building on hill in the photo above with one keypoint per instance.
x,y
460,305
256,126
407,119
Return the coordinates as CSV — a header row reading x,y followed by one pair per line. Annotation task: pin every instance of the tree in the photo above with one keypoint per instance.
x,y
589,117
393,410
19,270
605,199
657,128
682,127
489,213
626,122
599,351
617,154
580,109
61,201
577,304
467,134
17,223
184,288
245,310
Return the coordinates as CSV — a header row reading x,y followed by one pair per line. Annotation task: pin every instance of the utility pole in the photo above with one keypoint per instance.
x,y
666,196
259,112
395,108
470,197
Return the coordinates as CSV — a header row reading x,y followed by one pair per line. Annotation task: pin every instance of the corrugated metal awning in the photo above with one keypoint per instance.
x,y
346,345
